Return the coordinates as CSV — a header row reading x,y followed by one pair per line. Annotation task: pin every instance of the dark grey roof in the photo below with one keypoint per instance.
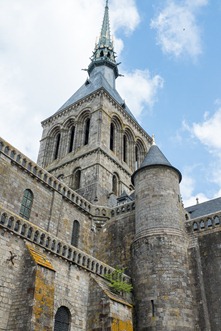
x,y
124,196
92,85
204,208
155,157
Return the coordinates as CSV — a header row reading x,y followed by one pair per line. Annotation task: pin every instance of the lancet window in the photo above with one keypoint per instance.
x,y
26,204
57,145
75,233
71,141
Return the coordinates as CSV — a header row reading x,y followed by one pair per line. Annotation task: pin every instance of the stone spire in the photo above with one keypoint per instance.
x,y
103,54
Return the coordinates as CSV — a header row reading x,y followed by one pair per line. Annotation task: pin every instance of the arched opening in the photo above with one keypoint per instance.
x,y
112,137
76,182
125,148
57,145
140,153
62,319
71,142
115,184
86,131
75,233
26,204
101,54
136,157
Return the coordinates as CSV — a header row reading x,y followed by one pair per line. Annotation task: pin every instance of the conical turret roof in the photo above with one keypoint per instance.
x,y
155,158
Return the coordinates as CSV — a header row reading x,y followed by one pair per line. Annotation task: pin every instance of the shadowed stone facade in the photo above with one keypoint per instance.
x,y
102,195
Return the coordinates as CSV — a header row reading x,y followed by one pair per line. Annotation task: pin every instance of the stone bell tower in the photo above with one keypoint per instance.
x,y
93,143
163,299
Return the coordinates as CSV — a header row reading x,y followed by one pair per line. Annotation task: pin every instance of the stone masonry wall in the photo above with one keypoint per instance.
x,y
107,311
16,284
163,298
161,270
49,210
210,249
22,306
119,234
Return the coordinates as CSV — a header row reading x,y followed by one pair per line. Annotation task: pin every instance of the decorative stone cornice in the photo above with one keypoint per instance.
x,y
30,232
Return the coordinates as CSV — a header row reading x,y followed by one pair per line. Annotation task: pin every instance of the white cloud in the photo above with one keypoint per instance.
x,y
124,15
208,131
43,47
188,187
177,30
196,3
140,89
193,200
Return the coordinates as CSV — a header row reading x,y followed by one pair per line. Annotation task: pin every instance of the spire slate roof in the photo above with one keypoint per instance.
x,y
92,85
105,38
155,157
102,70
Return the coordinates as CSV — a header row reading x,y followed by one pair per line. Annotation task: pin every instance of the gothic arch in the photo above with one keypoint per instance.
x,y
115,135
70,131
76,179
128,147
115,184
69,123
84,124
26,204
75,233
140,152
64,302
53,144
63,316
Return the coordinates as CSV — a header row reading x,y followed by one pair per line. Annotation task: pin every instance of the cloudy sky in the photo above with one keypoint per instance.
x,y
170,57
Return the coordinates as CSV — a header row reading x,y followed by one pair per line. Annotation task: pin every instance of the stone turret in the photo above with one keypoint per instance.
x,y
160,268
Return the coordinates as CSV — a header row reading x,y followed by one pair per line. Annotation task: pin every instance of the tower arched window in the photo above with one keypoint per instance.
x,y
115,184
57,145
75,233
139,153
86,131
112,136
76,179
62,319
71,141
136,157
26,204
125,148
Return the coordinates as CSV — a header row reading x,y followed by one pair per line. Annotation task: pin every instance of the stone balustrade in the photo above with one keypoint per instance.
x,y
124,208
204,223
46,178
32,233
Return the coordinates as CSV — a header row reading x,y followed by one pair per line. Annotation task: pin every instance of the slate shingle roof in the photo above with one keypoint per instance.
x,y
155,157
90,87
204,208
